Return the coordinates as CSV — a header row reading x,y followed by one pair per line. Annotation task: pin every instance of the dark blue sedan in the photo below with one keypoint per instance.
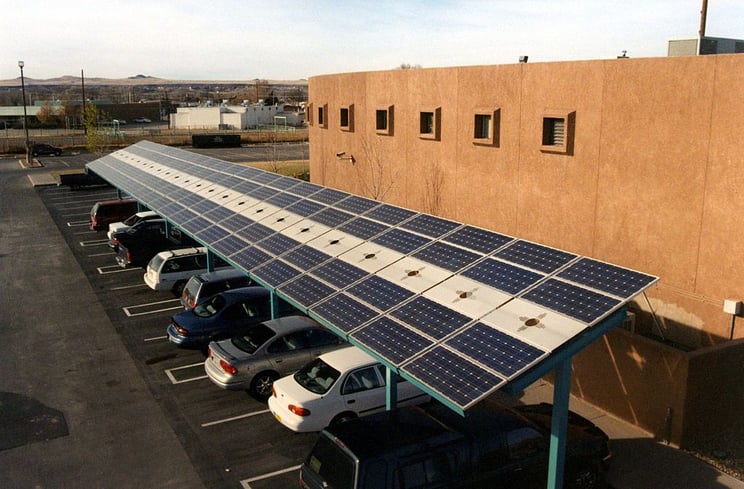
x,y
221,316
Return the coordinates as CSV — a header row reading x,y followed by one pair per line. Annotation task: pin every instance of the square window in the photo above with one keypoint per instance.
x,y
346,118
323,116
487,127
429,123
309,113
384,120
557,132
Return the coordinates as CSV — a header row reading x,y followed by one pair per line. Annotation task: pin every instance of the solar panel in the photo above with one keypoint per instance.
x,y
459,309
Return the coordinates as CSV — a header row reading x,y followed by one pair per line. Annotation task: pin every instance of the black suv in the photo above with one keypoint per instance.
x,y
38,149
431,446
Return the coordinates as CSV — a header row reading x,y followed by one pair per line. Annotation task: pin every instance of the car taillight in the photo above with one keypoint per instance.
x,y
180,330
129,256
298,410
273,391
115,240
228,368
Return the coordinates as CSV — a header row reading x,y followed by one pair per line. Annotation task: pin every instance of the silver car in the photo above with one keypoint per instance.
x,y
267,351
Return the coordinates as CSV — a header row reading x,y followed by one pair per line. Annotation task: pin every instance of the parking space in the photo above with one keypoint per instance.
x,y
231,438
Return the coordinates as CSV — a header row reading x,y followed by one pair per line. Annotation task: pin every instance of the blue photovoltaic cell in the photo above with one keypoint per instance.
x,y
275,272
363,228
246,187
306,290
236,222
339,273
391,340
389,214
263,193
229,245
608,278
203,207
276,244
498,351
379,293
196,224
265,177
305,189
329,195
430,225
220,214
255,232
400,241
331,217
576,302
453,376
212,234
502,276
344,312
249,258
282,199
284,183
477,239
305,207
446,256
356,204
535,256
305,257
429,317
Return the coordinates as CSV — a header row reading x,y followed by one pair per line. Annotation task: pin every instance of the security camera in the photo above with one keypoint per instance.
x,y
340,154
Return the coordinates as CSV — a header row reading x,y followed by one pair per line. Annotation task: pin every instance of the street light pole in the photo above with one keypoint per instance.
x,y
25,116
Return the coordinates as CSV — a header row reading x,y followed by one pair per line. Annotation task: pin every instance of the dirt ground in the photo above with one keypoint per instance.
x,y
726,452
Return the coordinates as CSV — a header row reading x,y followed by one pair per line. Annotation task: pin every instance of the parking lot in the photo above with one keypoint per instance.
x,y
230,433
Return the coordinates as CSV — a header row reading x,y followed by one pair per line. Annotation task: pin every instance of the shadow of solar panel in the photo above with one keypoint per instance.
x,y
389,214
577,302
276,244
498,351
379,293
339,273
612,279
431,226
305,257
255,232
329,195
535,256
391,340
446,256
305,207
356,204
477,239
250,258
331,217
429,317
343,312
275,272
502,276
363,228
453,376
282,199
306,290
400,241
229,245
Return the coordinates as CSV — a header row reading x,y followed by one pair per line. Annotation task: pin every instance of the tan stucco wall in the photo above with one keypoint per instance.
x,y
653,181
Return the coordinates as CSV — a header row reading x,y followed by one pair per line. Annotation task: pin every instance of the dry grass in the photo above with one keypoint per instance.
x,y
293,168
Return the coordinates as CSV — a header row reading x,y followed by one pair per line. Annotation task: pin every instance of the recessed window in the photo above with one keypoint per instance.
x,y
487,127
557,132
346,118
322,122
384,120
309,112
429,123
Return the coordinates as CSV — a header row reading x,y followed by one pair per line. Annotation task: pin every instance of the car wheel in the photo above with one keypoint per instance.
x,y
178,287
262,383
586,477
342,418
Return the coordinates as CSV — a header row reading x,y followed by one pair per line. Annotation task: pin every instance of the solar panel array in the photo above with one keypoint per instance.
x,y
457,309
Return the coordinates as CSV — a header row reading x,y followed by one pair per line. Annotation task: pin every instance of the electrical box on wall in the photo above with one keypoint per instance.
x,y
731,306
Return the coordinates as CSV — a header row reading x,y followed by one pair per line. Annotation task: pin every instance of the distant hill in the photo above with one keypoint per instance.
x,y
69,80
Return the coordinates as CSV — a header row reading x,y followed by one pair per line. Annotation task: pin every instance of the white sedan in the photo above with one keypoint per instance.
x,y
334,387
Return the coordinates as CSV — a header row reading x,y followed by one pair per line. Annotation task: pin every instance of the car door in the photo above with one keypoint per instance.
x,y
363,391
290,352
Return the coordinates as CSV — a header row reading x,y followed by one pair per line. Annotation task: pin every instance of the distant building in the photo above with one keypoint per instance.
x,y
235,117
705,45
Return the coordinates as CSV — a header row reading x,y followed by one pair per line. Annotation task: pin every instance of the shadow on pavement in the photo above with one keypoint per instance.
x,y
24,420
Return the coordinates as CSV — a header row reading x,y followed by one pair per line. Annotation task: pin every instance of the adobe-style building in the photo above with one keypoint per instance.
x,y
638,162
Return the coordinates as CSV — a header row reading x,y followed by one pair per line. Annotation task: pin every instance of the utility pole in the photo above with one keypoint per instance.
x,y
82,80
703,18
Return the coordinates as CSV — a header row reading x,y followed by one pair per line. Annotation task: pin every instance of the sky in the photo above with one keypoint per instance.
x,y
294,39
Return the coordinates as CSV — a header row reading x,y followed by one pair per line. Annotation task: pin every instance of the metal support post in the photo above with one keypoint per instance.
x,y
559,428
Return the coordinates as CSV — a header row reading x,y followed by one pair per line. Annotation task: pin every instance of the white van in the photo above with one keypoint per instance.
x,y
170,270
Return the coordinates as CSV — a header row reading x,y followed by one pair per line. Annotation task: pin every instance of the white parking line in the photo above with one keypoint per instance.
x,y
235,418
125,287
77,223
116,269
247,482
156,338
169,373
128,310
94,242
94,255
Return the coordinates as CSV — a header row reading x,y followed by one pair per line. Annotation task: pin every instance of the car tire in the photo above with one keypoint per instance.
x,y
262,383
587,477
178,287
342,418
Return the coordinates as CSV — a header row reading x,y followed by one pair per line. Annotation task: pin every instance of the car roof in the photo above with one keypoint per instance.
x,y
182,252
288,324
221,274
348,358
115,201
242,292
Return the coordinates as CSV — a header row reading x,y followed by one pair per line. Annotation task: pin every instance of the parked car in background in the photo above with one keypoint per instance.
x,y
137,246
222,316
333,388
204,285
130,221
144,230
142,120
431,446
254,359
105,212
171,269
44,149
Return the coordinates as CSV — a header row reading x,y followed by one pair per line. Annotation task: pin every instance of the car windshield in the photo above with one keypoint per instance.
x,y
210,307
256,336
317,376
131,220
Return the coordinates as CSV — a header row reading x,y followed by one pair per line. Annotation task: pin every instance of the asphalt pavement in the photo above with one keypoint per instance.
x,y
75,412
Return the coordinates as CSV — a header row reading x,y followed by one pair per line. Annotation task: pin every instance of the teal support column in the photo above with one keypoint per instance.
x,y
119,195
167,229
274,305
391,389
559,428
210,260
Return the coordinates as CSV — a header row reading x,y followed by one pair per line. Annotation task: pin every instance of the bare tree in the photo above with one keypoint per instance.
x,y
434,190
375,178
